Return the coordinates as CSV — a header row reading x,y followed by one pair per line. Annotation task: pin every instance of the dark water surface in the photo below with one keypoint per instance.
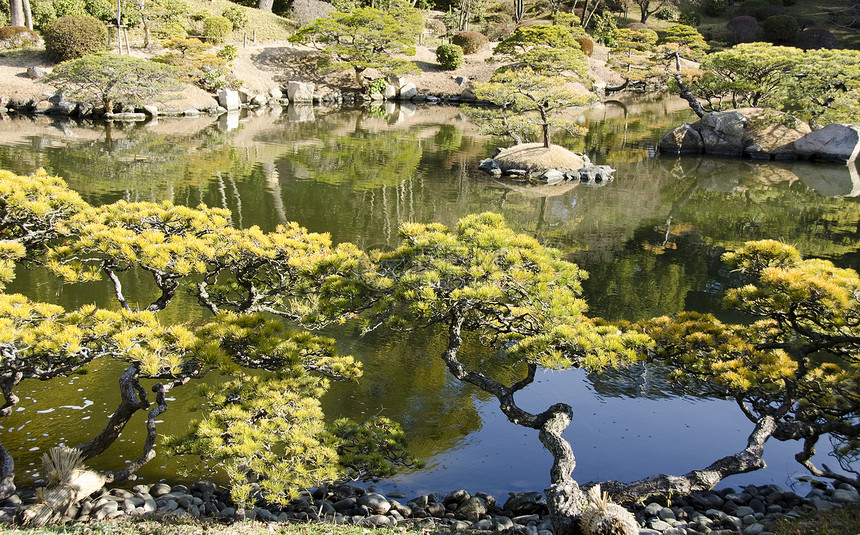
x,y
651,241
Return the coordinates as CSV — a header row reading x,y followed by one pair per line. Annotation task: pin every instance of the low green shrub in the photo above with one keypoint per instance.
x,y
780,29
237,16
471,42
449,56
74,36
667,13
742,29
766,12
216,29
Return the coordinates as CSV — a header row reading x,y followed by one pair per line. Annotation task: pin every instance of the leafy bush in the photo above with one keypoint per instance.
x,y
216,29
811,38
781,29
170,30
742,29
604,28
64,8
197,65
690,17
449,56
586,44
100,9
228,53
74,36
237,16
471,42
667,14
12,37
4,20
563,18
715,8
43,13
637,26
499,31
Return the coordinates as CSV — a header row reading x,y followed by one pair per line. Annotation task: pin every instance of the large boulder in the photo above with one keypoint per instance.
x,y
754,132
536,159
723,132
683,139
835,142
229,99
300,91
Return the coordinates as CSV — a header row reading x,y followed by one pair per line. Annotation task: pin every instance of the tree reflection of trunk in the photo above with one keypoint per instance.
x,y
273,184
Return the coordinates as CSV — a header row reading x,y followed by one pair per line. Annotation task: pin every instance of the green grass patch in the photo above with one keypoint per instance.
x,y
841,521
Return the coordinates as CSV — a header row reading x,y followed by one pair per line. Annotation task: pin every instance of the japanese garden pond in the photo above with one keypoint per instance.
x,y
651,240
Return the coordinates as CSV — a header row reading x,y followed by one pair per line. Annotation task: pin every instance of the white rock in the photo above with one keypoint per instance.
x,y
229,99
300,91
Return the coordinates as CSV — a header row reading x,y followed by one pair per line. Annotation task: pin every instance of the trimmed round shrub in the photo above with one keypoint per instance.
x,y
471,42
74,36
637,26
586,44
667,14
815,38
499,31
12,37
237,16
449,56
216,29
781,29
742,29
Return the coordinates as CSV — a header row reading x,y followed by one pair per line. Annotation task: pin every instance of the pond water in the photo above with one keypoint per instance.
x,y
651,240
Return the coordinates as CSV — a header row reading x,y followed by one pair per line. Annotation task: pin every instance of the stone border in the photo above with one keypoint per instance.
x,y
722,512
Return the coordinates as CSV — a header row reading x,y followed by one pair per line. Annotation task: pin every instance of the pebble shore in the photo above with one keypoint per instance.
x,y
748,511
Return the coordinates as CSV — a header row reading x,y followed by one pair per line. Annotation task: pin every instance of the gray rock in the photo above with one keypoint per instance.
x,y
743,511
821,504
753,529
389,92
276,94
733,522
150,110
300,91
375,521
375,503
683,139
191,112
501,523
344,505
658,524
471,506
169,505
653,508
552,177
408,91
723,131
666,514
259,100
845,496
835,142
460,525
149,505
36,73
483,525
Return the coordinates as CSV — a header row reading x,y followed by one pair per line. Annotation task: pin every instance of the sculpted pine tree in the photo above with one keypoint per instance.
x,y
533,91
240,274
482,283
365,38
794,372
106,78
